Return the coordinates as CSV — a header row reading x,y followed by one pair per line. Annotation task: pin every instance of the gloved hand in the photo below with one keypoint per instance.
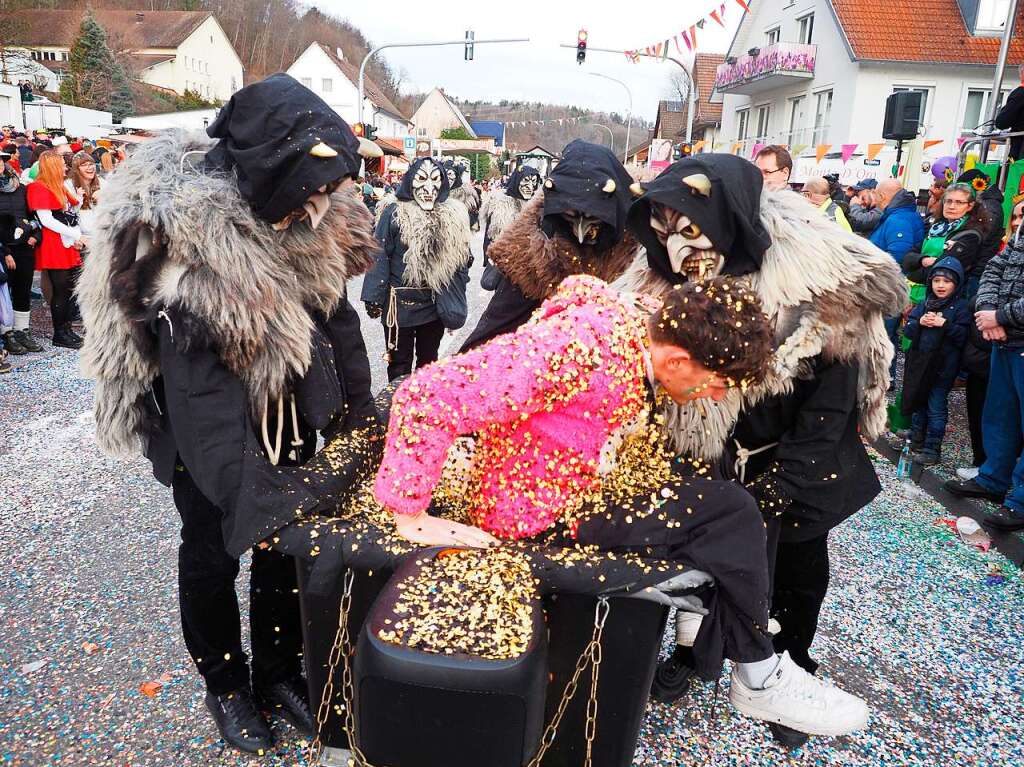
x,y
771,498
374,311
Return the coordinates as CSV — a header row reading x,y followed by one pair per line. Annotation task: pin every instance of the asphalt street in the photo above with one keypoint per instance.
x,y
93,670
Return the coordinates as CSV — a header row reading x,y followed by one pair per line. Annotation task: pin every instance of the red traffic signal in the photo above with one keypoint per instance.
x,y
359,129
581,46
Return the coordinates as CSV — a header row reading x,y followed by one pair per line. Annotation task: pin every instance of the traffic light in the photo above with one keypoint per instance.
x,y
470,35
581,46
370,132
358,129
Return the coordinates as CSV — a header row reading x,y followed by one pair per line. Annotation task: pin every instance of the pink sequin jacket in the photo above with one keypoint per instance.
x,y
542,401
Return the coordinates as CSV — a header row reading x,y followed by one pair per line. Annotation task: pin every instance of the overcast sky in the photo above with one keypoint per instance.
x,y
538,70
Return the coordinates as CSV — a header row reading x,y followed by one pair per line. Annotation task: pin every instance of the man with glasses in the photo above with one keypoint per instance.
x,y
817,193
776,166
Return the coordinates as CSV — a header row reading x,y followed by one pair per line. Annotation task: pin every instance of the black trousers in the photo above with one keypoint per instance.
x,y
711,526
62,284
210,618
20,278
423,341
800,581
977,387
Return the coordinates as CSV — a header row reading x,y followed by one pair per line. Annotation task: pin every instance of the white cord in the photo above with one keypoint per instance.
x,y
274,451
297,440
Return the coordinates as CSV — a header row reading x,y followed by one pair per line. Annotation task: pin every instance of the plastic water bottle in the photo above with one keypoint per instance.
x,y
905,464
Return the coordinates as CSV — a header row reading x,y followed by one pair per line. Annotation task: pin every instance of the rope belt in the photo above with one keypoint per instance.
x,y
743,455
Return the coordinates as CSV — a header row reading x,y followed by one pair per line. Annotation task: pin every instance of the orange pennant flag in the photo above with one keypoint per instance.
x,y
698,146
932,142
874,149
735,147
821,151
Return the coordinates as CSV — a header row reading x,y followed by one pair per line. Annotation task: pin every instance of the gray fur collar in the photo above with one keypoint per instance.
x,y
173,236
436,241
468,196
828,292
498,211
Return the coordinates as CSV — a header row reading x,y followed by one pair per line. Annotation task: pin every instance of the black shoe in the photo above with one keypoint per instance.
x,y
674,675
288,700
971,489
11,343
1004,519
71,332
238,721
25,339
61,337
927,458
788,737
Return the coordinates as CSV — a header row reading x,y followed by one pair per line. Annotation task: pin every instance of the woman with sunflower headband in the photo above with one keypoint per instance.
x,y
961,229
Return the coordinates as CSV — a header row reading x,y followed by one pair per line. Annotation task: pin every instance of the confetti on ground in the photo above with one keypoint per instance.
x,y
911,622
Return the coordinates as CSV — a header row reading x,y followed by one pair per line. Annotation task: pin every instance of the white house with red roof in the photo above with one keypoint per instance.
x,y
810,72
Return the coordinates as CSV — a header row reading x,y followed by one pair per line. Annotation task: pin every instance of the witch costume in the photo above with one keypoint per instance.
x,y
575,225
795,440
222,344
463,191
422,267
500,209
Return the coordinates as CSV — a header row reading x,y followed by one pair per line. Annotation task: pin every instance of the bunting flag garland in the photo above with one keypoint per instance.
x,y
847,153
932,142
689,36
700,24
719,15
693,35
799,148
821,151
686,39
735,147
744,5
874,149
960,141
665,51
757,148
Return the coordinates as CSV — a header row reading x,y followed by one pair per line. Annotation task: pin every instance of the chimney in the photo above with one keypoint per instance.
x,y
339,54
139,17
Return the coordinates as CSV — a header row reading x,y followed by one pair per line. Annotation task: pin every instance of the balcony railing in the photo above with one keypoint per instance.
x,y
771,66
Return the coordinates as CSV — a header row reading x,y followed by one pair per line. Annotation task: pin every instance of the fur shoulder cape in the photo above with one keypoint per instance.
x,y
436,241
468,196
828,292
170,234
497,212
537,264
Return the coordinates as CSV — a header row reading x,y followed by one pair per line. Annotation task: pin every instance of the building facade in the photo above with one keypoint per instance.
x,y
336,81
438,113
811,72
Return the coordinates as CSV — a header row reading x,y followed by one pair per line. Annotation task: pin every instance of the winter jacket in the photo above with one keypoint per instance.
x,y
1002,290
819,468
415,303
16,223
864,220
900,228
964,245
948,339
1011,117
992,200
977,351
543,401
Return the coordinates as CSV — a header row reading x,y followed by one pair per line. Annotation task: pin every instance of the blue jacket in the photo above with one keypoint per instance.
x,y
900,228
952,336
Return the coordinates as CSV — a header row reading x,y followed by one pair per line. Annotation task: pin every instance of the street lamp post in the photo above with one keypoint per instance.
x,y
629,116
379,48
611,136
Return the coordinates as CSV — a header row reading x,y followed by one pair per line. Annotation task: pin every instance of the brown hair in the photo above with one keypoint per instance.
x,y
783,159
89,188
721,324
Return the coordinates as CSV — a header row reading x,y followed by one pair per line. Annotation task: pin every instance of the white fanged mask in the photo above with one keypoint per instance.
x,y
528,186
690,251
450,172
426,185
585,229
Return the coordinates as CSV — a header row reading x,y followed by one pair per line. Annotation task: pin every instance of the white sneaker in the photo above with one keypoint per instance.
x,y
795,699
967,473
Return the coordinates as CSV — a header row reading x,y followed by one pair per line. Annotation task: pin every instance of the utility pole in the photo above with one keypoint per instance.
x,y
466,43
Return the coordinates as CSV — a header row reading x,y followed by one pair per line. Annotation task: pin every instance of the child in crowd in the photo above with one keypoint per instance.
x,y
937,328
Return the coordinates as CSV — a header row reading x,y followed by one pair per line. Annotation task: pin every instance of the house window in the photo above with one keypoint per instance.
x,y
308,82
977,108
822,116
991,15
763,115
771,37
796,121
805,28
742,124
924,102
327,85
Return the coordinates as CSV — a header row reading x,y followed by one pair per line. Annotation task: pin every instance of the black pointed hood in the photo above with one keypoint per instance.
x,y
266,133
579,182
458,172
730,215
512,187
404,191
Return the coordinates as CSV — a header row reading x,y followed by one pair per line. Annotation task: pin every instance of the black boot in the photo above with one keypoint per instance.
x,y
673,677
788,737
971,489
63,339
238,721
25,339
11,343
288,700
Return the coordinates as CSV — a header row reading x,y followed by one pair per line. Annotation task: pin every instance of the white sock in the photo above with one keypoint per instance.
x,y
754,675
21,320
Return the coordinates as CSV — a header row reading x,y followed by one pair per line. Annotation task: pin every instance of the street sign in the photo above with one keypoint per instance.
x,y
409,146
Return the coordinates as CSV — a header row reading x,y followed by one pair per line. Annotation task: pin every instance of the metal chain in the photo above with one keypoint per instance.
x,y
338,649
591,654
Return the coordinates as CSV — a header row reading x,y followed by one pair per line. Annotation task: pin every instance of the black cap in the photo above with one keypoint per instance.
x,y
283,142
